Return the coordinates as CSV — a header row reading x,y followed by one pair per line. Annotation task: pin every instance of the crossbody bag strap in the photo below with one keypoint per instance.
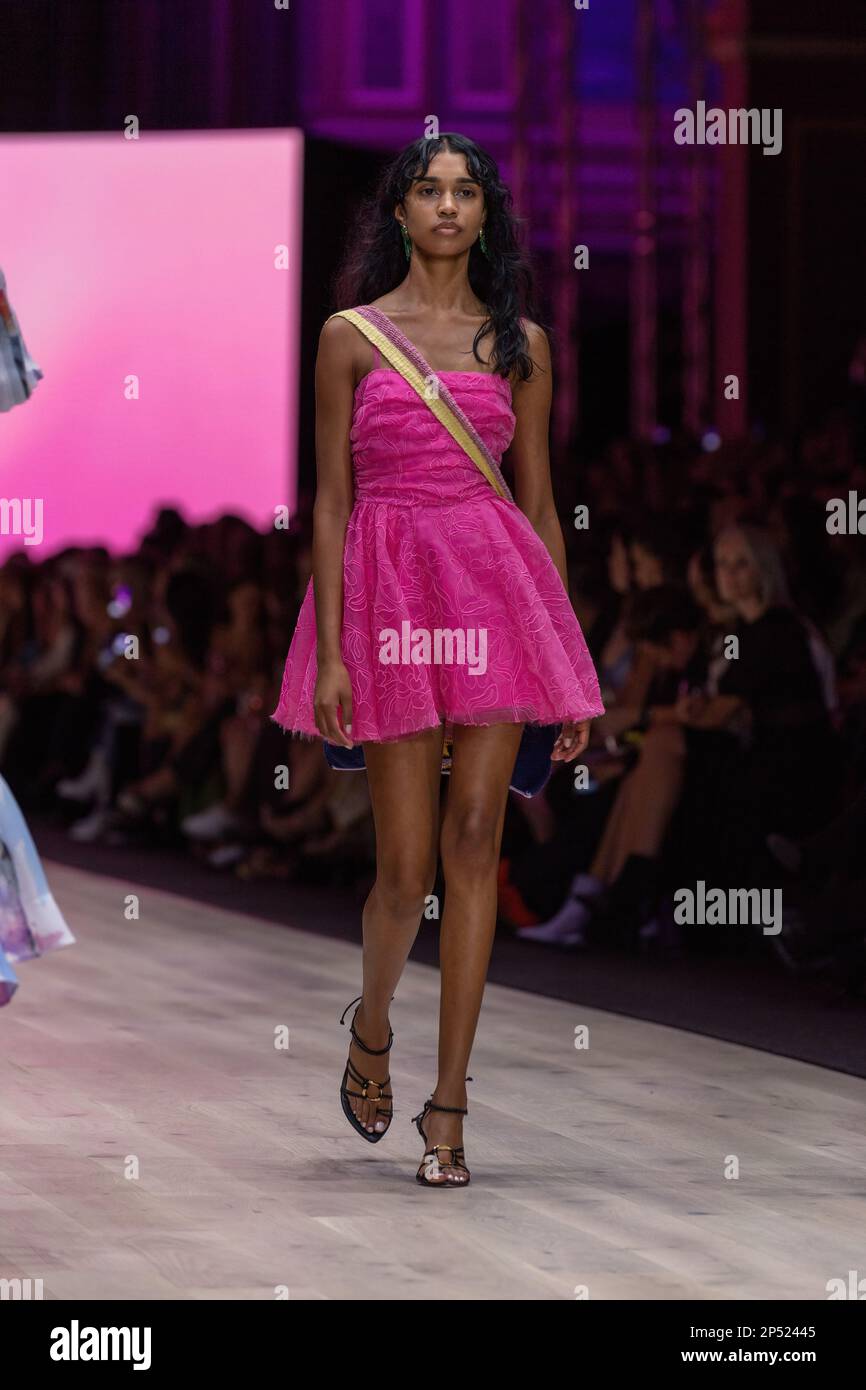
x,y
440,407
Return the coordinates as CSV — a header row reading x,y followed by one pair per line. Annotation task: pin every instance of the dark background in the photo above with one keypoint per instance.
x,y
546,91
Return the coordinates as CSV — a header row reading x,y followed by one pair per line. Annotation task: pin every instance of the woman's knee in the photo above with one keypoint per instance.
x,y
470,839
403,887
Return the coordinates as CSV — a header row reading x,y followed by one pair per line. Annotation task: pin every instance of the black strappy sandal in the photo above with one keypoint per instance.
x,y
432,1162
365,1082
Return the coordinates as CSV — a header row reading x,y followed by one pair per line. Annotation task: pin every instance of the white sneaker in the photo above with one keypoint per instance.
x,y
566,928
91,827
586,886
90,783
225,856
211,824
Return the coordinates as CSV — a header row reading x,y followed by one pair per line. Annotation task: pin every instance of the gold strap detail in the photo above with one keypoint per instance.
x,y
410,373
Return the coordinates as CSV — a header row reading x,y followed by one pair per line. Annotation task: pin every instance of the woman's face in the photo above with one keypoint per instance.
x,y
737,579
444,208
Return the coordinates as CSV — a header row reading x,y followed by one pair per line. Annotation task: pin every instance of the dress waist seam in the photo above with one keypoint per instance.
x,y
424,502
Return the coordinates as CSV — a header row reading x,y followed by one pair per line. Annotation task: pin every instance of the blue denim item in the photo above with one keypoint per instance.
x,y
532,766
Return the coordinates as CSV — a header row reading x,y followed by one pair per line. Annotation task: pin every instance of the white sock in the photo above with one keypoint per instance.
x,y
586,886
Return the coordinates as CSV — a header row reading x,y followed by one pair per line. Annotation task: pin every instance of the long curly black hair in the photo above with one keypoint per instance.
x,y
375,262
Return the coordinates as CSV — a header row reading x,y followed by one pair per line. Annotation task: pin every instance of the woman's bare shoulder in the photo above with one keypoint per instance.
x,y
537,341
338,340
538,348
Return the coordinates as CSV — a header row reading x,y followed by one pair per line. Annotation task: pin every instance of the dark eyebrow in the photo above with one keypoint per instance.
x,y
434,178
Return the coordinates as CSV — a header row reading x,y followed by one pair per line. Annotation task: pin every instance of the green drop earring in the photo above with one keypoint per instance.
x,y
482,243
407,241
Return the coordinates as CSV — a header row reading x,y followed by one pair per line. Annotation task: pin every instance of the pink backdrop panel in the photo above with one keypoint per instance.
x,y
158,259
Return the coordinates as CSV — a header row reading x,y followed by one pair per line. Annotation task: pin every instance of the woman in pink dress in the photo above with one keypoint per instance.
x,y
411,539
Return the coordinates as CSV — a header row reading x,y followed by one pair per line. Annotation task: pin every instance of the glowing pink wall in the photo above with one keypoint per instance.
x,y
156,258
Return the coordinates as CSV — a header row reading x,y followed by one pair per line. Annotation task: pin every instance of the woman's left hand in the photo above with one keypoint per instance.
x,y
572,740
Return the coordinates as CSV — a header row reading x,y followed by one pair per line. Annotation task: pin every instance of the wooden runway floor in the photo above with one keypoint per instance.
x,y
156,1144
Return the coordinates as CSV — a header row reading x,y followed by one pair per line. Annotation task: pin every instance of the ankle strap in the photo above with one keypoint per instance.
x,y
447,1109
349,1005
373,1051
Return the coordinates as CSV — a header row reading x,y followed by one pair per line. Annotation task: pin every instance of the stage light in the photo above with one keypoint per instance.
x,y
158,284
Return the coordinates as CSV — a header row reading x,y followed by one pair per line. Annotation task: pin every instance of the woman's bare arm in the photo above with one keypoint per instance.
x,y
335,385
533,490
710,712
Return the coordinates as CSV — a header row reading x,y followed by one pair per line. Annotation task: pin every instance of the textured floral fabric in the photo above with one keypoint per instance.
x,y
430,543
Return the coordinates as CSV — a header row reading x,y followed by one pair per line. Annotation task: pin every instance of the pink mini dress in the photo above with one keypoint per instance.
x,y
432,547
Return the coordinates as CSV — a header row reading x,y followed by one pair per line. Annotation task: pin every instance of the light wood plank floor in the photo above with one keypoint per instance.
x,y
151,1042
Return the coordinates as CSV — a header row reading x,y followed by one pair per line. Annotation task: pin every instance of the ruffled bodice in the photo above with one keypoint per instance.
x,y
402,454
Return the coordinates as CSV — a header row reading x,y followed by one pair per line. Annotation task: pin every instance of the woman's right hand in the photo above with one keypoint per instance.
x,y
333,688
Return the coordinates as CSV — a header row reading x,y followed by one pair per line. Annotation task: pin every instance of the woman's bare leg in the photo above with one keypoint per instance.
x,y
305,771
482,764
645,804
404,777
238,739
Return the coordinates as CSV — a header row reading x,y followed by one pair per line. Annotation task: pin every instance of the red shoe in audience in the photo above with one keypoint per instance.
x,y
512,908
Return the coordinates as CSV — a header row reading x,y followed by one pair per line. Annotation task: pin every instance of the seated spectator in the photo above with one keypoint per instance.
x,y
743,745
